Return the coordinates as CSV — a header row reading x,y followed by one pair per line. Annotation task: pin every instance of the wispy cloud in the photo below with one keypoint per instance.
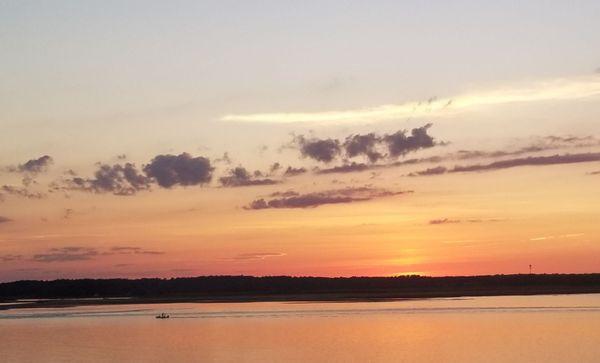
x,y
240,177
291,199
256,256
569,235
444,221
80,253
65,254
33,166
124,250
471,220
22,192
291,171
547,90
535,145
512,163
10,258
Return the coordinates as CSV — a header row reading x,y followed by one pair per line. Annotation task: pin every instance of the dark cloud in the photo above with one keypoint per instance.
x,y
482,154
399,144
274,168
121,157
444,221
127,179
128,250
291,171
356,145
369,145
538,144
33,166
352,167
135,179
594,172
10,258
21,192
78,253
325,150
224,159
287,193
430,159
182,169
532,160
430,171
28,181
239,177
312,200
116,179
511,163
29,171
5,219
66,254
355,167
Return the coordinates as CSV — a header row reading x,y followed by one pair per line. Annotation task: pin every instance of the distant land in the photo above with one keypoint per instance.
x,y
63,293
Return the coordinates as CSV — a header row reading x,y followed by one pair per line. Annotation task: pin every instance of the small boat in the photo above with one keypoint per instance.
x,y
162,316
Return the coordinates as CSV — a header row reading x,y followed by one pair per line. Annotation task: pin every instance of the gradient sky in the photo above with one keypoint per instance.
x,y
511,90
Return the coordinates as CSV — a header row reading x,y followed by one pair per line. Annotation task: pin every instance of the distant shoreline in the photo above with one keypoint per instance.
x,y
237,289
66,303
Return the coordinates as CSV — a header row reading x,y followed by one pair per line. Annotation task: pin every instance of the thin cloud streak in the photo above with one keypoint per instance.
x,y
254,256
456,221
291,199
569,235
81,253
547,90
512,163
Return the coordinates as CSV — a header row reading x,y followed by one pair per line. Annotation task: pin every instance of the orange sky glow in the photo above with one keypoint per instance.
x,y
179,145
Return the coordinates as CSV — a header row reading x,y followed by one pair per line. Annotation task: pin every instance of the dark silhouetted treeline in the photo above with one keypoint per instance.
x,y
229,287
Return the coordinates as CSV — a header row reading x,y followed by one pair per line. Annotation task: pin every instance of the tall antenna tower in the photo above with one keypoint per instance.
x,y
530,269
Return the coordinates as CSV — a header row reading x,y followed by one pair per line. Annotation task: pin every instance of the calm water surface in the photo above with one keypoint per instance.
x,y
563,328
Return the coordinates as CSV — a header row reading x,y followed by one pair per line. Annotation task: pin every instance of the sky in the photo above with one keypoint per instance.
x,y
330,138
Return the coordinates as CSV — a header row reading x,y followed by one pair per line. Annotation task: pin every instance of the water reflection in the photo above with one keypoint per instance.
x,y
560,328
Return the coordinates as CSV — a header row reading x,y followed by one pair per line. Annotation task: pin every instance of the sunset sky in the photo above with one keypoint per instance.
x,y
332,138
